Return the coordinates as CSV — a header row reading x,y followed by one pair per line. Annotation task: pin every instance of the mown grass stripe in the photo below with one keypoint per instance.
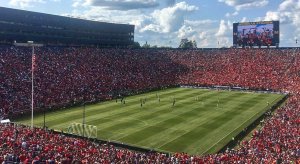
x,y
202,129
77,115
193,125
181,118
153,112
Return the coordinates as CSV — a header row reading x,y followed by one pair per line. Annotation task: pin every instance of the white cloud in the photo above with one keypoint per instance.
x,y
288,13
235,13
25,3
232,14
245,4
227,15
286,4
150,27
123,4
162,27
113,16
165,20
224,28
202,31
199,22
186,32
244,19
272,16
170,19
224,34
77,3
203,35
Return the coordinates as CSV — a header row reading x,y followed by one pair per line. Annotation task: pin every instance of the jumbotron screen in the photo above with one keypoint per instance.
x,y
256,33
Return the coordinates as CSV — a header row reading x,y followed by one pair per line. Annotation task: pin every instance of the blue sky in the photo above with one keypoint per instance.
x,y
166,22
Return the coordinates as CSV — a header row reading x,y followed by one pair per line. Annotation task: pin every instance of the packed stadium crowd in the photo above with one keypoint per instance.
x,y
68,76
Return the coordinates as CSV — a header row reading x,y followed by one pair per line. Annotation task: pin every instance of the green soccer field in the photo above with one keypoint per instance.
x,y
201,121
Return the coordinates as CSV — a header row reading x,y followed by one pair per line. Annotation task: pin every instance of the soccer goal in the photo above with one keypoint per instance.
x,y
84,130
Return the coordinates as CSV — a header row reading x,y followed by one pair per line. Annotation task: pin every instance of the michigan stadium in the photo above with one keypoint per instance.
x,y
79,90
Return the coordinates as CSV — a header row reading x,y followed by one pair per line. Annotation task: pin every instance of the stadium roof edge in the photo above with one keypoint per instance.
x,y
12,9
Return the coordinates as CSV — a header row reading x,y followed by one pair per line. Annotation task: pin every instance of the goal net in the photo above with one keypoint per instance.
x,y
84,130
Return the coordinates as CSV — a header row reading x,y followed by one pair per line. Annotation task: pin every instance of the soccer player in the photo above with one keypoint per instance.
x,y
174,101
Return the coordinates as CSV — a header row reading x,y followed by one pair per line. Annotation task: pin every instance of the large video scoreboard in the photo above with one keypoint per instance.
x,y
264,33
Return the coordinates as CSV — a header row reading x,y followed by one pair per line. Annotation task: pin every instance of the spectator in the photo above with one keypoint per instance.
x,y
68,76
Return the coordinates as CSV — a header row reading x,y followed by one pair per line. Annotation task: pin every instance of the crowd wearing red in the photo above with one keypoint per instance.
x,y
68,76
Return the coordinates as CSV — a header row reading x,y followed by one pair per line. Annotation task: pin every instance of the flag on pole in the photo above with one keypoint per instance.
x,y
33,62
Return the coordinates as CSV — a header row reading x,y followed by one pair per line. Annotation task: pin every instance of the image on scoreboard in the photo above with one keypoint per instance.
x,y
255,35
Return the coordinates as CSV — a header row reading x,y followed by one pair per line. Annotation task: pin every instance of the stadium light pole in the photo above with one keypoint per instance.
x,y
32,83
44,112
32,45
83,112
83,119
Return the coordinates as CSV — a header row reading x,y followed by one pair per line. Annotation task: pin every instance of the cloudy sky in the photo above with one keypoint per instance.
x,y
166,22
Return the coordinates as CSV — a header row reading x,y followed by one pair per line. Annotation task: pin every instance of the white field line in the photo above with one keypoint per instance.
x,y
233,130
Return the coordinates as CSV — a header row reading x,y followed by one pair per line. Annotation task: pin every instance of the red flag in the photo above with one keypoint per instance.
x,y
33,62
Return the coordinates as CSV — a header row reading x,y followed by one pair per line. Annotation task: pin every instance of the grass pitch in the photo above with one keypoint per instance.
x,y
200,122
